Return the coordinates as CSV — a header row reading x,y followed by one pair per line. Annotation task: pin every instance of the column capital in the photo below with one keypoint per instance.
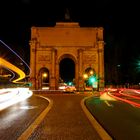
x,y
80,50
101,42
53,49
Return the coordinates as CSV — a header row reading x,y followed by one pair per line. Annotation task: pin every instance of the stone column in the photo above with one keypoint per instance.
x,y
53,70
33,62
36,66
76,75
57,75
101,64
80,56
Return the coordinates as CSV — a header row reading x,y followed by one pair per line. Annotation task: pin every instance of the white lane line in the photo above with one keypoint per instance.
x,y
108,104
27,133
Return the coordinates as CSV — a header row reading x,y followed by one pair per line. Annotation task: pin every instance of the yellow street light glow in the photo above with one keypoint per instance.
x,y
91,72
85,76
10,66
45,75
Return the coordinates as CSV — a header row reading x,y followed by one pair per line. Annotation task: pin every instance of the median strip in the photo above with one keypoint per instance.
x,y
100,130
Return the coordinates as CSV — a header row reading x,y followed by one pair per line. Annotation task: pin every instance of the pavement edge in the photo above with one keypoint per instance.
x,y
27,133
100,130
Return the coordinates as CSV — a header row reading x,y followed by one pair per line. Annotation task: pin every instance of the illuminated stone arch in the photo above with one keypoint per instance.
x,y
49,45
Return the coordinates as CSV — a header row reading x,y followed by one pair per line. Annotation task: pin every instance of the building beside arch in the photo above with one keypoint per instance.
x,y
50,45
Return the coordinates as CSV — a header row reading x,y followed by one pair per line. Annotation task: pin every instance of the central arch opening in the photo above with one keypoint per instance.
x,y
67,70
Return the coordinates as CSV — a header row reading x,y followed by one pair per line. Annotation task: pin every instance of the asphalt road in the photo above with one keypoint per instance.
x,y
16,119
65,121
121,120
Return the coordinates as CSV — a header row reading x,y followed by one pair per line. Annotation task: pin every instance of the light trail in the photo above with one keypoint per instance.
x,y
115,93
7,94
13,68
12,73
17,56
124,100
128,95
13,96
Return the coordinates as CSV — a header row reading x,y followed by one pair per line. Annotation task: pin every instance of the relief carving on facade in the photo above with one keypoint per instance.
x,y
45,58
89,58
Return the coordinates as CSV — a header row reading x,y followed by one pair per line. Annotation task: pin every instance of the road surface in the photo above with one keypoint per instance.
x,y
65,121
17,118
120,119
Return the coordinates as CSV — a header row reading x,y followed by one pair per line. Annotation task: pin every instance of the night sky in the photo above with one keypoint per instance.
x,y
119,19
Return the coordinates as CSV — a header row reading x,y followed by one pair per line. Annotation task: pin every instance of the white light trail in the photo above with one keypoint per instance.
x,y
17,95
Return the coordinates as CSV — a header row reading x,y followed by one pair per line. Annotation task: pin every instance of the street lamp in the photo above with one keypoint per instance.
x,y
45,75
90,78
91,72
85,76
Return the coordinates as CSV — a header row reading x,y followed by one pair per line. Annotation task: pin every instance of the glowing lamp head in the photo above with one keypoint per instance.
x,y
85,76
91,72
45,75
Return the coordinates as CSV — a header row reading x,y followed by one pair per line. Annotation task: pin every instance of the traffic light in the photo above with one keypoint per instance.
x,y
70,83
91,80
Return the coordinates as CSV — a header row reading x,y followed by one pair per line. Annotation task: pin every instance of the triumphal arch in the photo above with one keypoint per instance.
x,y
50,45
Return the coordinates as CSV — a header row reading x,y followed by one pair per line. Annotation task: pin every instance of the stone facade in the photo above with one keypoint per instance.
x,y
49,45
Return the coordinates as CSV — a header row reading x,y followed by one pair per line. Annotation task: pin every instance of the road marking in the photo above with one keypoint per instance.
x,y
27,133
108,104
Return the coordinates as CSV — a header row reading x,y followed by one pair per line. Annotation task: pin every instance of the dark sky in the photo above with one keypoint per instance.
x,y
120,20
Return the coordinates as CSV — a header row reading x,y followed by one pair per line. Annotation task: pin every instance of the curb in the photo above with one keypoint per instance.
x,y
27,133
100,130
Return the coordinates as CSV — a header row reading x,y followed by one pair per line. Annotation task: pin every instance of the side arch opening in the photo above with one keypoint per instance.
x,y
43,78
